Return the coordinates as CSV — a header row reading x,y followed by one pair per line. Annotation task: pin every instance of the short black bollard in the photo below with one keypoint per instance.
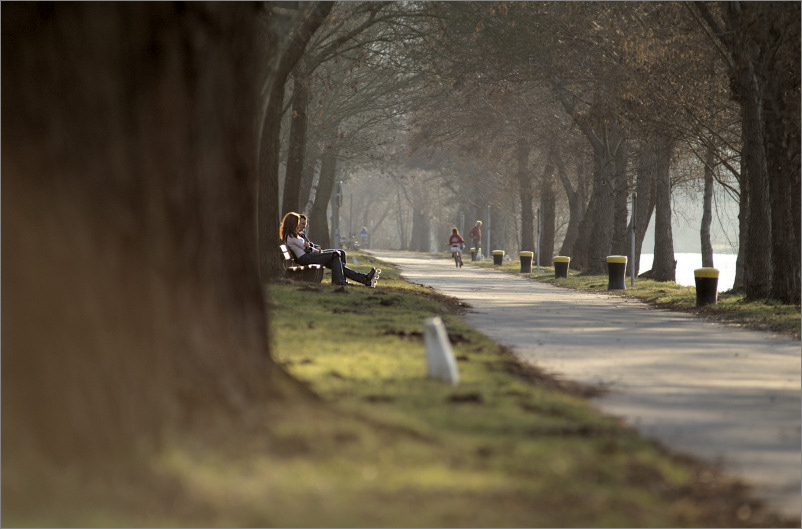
x,y
561,266
526,262
498,257
706,286
616,272
473,254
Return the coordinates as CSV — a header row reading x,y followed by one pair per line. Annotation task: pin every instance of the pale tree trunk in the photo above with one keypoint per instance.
x,y
707,211
645,190
308,183
664,266
401,224
132,299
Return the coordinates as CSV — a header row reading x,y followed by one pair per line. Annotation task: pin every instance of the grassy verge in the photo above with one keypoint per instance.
x,y
731,308
379,444
507,447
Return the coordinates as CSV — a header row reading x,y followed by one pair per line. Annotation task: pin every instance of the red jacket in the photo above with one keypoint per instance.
x,y
476,233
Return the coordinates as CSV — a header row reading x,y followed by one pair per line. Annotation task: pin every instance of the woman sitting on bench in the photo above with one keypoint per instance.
x,y
306,254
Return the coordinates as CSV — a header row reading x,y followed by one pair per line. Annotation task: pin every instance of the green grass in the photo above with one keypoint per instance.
x,y
508,446
731,307
379,444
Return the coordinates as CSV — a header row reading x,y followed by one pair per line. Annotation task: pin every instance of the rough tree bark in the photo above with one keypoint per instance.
x,y
782,136
664,266
291,200
577,201
707,211
548,210
132,298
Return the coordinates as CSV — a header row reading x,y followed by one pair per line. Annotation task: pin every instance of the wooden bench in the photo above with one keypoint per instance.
x,y
312,273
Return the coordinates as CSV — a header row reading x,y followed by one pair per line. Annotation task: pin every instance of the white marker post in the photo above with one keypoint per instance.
x,y
439,355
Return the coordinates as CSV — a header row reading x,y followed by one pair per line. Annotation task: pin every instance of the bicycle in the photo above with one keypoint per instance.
x,y
456,253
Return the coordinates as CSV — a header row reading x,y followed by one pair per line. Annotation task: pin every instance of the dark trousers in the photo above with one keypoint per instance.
x,y
334,260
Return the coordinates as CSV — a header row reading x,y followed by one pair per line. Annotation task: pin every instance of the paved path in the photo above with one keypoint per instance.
x,y
722,394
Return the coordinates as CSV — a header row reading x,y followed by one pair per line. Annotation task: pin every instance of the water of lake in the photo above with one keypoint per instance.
x,y
688,262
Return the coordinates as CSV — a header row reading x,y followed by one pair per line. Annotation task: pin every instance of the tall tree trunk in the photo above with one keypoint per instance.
x,y
743,230
401,222
664,266
707,211
782,137
577,201
268,193
548,210
134,300
757,271
619,242
599,224
291,200
421,231
308,183
526,194
318,220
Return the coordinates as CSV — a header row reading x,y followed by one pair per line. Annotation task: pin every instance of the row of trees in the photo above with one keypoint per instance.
x,y
576,105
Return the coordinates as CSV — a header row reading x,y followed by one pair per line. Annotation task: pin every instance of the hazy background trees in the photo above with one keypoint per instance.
x,y
505,90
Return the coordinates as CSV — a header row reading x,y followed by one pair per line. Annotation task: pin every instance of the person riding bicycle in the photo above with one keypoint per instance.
x,y
456,242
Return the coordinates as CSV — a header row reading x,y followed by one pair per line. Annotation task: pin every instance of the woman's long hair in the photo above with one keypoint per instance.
x,y
455,231
289,225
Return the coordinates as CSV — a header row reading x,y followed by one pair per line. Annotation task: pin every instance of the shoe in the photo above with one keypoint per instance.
x,y
344,284
372,277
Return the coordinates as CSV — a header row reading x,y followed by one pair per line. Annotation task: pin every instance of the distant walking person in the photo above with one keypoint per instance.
x,y
476,235
363,235
456,242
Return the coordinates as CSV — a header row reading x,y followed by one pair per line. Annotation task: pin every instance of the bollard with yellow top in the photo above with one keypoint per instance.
x,y
706,286
617,272
561,263
526,262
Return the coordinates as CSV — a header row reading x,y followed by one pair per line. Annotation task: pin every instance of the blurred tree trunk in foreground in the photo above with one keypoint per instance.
x,y
132,298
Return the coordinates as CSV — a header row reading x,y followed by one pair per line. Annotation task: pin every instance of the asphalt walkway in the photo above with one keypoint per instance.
x,y
722,394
